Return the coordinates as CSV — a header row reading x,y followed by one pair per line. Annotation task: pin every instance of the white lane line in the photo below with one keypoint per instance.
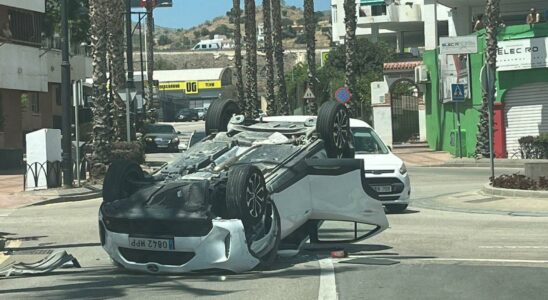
x,y
328,286
513,247
487,260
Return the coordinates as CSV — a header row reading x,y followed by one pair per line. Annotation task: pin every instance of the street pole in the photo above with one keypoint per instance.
x,y
459,134
129,58
65,99
76,98
490,99
143,110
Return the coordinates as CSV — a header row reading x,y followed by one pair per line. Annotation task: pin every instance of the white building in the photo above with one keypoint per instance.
x,y
30,77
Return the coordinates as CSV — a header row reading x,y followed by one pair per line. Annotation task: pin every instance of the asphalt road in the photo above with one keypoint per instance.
x,y
425,254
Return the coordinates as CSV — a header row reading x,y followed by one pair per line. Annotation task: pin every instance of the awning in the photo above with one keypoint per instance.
x,y
372,2
407,65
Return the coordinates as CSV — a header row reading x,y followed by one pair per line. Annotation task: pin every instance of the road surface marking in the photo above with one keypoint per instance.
x,y
513,247
486,260
328,286
9,244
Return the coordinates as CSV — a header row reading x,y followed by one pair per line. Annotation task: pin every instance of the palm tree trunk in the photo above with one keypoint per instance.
x,y
153,103
251,55
492,14
116,60
350,46
283,103
310,32
269,51
237,14
102,131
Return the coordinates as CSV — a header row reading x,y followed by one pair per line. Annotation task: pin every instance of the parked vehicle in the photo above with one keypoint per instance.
x,y
187,114
161,137
385,172
232,200
208,45
201,112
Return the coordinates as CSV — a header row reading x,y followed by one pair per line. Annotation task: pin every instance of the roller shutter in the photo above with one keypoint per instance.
x,y
526,114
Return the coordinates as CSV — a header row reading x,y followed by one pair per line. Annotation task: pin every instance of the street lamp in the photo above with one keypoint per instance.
x,y
65,98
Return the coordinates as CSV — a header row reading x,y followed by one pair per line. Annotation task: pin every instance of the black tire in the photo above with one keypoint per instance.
x,y
269,258
333,125
246,194
219,114
396,208
120,180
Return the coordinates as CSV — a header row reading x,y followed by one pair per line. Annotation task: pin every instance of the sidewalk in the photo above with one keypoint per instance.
x,y
422,157
483,202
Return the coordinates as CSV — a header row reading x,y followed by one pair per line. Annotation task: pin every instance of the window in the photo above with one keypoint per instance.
x,y
335,19
25,26
204,46
57,90
34,103
378,10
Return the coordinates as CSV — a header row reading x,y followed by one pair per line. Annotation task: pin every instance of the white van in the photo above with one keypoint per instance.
x,y
207,45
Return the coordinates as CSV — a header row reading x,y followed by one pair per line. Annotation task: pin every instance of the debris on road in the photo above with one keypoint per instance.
x,y
59,259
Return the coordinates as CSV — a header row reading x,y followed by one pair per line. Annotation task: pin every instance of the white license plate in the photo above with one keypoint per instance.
x,y
382,188
152,244
162,146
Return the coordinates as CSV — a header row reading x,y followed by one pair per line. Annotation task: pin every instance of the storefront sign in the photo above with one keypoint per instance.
x,y
454,69
190,87
522,54
459,45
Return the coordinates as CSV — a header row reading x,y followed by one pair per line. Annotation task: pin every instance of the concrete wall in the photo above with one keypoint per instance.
x,y
80,66
34,5
22,68
382,122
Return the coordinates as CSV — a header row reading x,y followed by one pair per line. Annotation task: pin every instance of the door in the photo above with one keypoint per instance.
x,y
405,112
338,193
526,109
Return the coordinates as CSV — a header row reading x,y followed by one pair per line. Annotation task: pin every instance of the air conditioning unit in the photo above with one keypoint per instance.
x,y
421,74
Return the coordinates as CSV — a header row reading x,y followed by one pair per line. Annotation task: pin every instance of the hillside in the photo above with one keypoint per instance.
x,y
181,39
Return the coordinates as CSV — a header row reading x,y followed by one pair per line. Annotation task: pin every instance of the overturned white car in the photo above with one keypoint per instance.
x,y
233,200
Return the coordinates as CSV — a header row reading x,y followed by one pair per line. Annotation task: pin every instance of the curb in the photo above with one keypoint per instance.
x,y
69,198
489,190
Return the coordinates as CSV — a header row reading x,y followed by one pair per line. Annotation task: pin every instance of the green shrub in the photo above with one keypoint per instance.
x,y
519,182
134,151
534,147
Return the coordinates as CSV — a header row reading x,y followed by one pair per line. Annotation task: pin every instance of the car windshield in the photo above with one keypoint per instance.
x,y
160,129
185,111
366,141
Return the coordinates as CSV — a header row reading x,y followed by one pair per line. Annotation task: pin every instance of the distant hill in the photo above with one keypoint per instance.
x,y
180,39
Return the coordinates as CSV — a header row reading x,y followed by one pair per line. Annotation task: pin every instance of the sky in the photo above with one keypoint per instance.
x,y
188,13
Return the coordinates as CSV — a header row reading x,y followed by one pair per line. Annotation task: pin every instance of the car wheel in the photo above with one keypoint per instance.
x,y
396,208
219,114
333,125
271,218
246,194
120,180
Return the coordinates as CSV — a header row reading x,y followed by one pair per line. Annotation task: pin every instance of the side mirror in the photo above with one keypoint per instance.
x,y
178,132
341,232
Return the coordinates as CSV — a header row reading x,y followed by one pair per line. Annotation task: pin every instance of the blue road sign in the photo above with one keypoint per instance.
x,y
457,92
343,95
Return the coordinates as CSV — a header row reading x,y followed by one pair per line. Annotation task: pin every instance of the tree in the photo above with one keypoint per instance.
x,y
197,34
492,14
269,51
350,42
223,29
79,20
204,32
153,116
283,103
116,58
237,13
102,123
164,40
252,98
310,33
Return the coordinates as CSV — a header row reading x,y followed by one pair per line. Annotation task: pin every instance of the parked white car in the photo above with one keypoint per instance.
x,y
385,172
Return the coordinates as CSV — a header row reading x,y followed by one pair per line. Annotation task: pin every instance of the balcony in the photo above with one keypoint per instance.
x,y
375,12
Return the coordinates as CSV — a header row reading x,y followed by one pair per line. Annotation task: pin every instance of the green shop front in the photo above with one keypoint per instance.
x,y
521,107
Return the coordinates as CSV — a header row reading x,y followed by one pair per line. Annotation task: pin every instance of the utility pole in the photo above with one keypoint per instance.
x,y
65,98
129,58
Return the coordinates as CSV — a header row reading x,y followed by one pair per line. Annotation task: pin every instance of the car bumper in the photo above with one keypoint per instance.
x,y
393,179
224,247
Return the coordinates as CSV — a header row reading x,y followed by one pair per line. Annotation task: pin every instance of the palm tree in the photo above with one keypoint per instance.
x,y
150,62
102,130
237,15
251,59
310,32
269,51
116,60
350,45
283,103
492,14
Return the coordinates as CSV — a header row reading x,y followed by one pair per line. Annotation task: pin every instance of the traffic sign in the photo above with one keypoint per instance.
x,y
123,95
457,92
309,94
343,95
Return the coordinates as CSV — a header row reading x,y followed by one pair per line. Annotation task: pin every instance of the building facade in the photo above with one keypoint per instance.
x,y
30,78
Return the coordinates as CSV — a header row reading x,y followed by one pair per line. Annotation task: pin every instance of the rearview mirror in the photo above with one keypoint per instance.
x,y
342,232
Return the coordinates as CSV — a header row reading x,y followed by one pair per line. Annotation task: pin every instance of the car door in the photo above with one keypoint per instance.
x,y
338,193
